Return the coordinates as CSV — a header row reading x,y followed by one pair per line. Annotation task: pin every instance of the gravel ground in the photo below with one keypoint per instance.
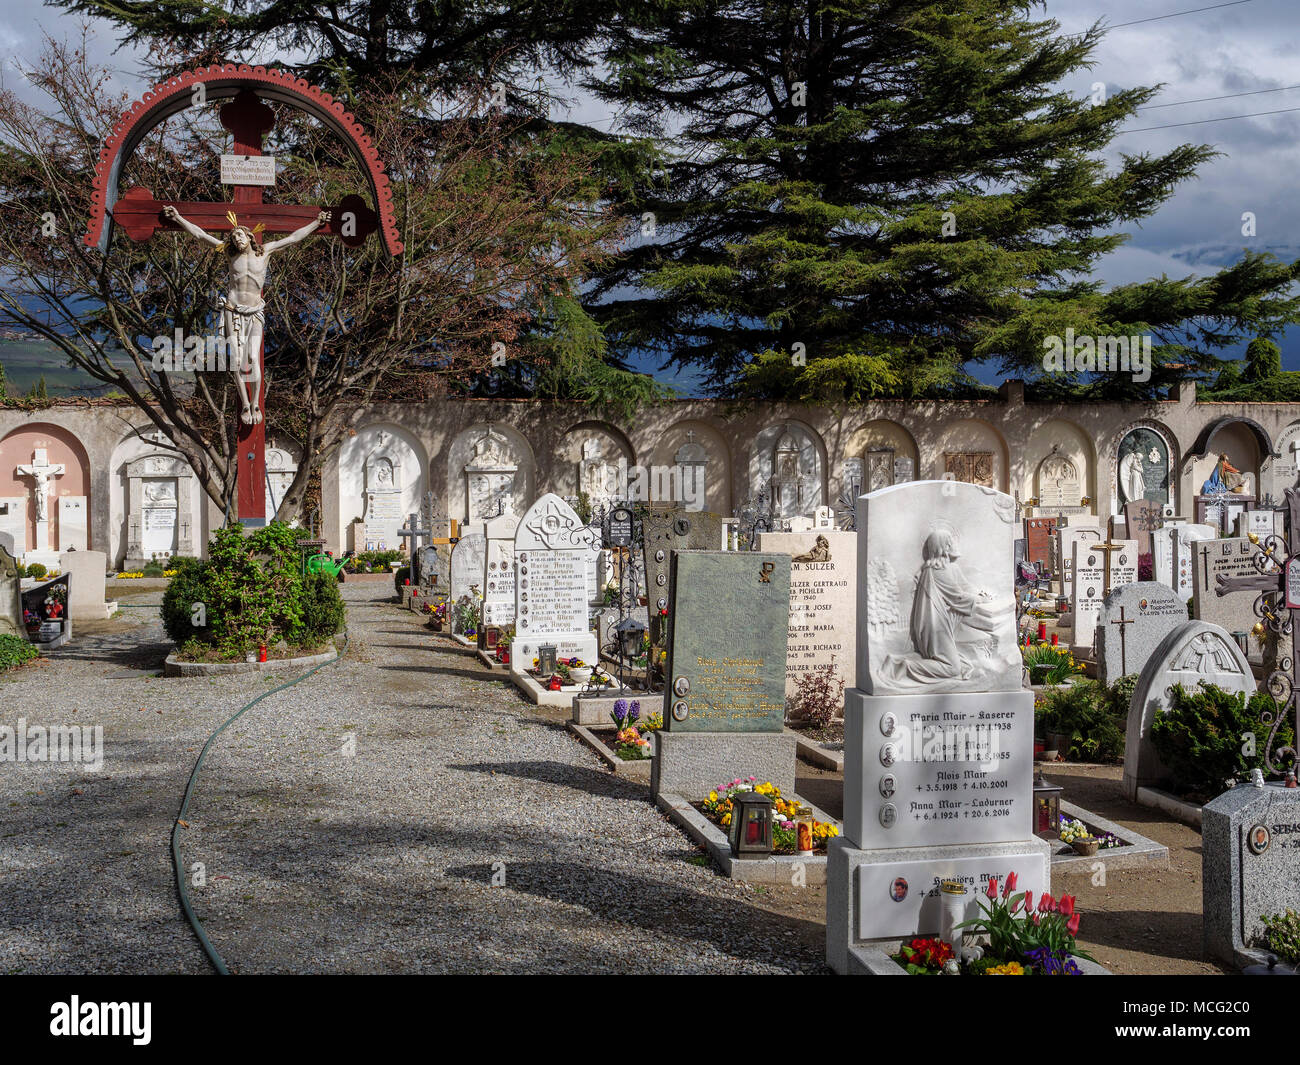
x,y
361,821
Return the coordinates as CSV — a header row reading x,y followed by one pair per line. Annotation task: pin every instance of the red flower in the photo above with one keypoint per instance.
x,y
1010,885
1046,904
1029,901
992,891
1072,925
1067,905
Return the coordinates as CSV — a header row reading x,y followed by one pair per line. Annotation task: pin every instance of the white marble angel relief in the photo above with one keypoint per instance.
x,y
938,597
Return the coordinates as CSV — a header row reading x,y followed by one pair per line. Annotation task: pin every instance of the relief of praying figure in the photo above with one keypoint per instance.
x,y
947,616
243,311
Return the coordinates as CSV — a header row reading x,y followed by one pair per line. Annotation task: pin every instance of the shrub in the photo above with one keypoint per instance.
x,y
153,568
818,696
1094,718
36,570
323,612
1282,935
1200,737
14,651
251,588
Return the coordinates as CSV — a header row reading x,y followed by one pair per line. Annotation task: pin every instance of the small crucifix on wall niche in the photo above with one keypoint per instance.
x,y
43,473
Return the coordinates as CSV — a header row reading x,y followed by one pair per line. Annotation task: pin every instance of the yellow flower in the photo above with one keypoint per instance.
x,y
713,796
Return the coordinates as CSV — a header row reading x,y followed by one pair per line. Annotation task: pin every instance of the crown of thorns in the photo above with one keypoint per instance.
x,y
256,231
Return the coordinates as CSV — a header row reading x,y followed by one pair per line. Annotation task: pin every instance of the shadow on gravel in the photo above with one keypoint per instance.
x,y
593,781
119,649
732,926
1177,933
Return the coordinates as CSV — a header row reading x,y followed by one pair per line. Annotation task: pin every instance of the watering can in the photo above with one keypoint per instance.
x,y
324,563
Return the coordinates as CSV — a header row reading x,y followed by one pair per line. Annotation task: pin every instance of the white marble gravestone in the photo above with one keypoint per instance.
x,y
160,499
1088,589
1062,555
1172,554
384,483
72,523
468,557
1278,474
86,586
13,523
823,602
499,568
552,548
938,733
1193,653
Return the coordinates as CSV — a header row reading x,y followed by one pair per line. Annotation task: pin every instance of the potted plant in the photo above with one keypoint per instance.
x,y
579,671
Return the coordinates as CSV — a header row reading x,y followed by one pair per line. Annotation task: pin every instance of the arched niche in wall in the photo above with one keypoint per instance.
x,y
971,450
690,466
1143,465
879,454
596,458
51,497
788,461
1058,469
157,507
487,464
383,473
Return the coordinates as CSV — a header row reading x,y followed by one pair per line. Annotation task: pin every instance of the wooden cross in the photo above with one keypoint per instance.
x,y
249,120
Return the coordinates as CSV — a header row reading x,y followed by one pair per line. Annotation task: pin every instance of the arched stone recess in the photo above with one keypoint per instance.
x,y
156,506
282,458
597,458
382,475
55,483
788,460
1243,440
690,465
487,464
1280,470
1058,467
1143,455
880,453
972,450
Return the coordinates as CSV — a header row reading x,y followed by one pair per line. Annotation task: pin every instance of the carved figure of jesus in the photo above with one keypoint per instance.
x,y
243,311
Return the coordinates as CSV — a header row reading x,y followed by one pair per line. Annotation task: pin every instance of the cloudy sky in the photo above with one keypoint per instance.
x,y
1247,48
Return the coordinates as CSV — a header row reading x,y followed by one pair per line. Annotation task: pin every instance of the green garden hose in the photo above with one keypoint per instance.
x,y
177,864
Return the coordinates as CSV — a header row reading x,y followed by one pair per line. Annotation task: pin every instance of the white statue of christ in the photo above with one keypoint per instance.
x,y
243,311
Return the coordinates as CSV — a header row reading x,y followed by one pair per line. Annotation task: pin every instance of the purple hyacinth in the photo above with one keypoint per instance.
x,y
620,711
634,712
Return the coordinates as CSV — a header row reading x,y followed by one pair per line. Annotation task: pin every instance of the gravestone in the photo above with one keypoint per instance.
x,y
499,568
724,700
468,557
551,593
72,524
1278,474
937,770
1087,593
1250,850
1195,652
1141,518
384,484
86,587
13,523
1038,533
962,634
1064,539
823,601
1134,619
1262,523
11,599
1173,555
1235,611
666,531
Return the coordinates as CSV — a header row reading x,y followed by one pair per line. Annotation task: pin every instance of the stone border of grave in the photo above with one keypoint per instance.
x,y
873,959
464,641
1138,852
1166,802
544,696
595,709
819,754
778,869
636,769
174,667
491,663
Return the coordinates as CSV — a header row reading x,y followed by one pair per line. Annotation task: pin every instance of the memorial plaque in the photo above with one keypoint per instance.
x,y
621,528
13,521
1121,564
667,531
72,523
1172,554
937,769
1038,531
823,601
499,583
727,674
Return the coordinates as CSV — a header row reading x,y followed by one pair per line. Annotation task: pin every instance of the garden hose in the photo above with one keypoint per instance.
x,y
217,962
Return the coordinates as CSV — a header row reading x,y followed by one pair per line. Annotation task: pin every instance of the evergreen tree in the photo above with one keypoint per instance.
x,y
1263,360
861,196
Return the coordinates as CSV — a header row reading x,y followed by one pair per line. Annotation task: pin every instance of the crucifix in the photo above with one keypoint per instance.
x,y
249,119
1276,607
1123,647
43,473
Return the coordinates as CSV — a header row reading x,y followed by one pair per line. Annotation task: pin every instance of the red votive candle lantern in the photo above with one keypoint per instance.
x,y
1055,637
1042,630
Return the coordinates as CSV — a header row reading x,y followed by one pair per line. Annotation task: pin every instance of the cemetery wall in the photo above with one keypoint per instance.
x,y
471,452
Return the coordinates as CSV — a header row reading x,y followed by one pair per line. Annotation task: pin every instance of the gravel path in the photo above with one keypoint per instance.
x,y
353,823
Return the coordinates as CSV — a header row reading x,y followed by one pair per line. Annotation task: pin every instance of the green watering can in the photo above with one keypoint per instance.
x,y
324,563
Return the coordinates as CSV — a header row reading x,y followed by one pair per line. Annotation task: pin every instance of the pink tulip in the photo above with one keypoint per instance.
x,y
992,890
1009,886
1067,905
1072,925
1029,901
1015,904
1046,904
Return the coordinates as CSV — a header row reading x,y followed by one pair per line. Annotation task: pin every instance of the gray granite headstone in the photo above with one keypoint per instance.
x,y
1141,518
1134,619
1193,653
1250,853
